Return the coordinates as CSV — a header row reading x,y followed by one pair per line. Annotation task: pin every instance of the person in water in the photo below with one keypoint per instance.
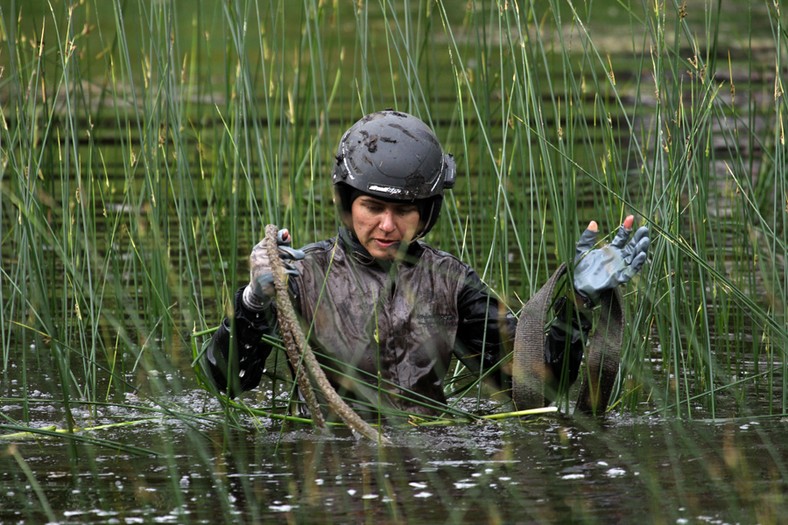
x,y
384,311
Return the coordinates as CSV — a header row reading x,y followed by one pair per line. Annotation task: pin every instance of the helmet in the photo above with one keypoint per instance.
x,y
393,156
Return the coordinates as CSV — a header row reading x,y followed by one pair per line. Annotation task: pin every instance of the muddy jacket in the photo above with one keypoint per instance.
x,y
385,333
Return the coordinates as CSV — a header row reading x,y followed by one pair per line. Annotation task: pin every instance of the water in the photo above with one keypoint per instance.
x,y
545,470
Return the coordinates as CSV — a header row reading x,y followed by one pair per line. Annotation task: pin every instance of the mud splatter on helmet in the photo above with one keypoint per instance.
x,y
393,156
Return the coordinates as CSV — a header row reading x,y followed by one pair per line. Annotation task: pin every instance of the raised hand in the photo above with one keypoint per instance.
x,y
611,265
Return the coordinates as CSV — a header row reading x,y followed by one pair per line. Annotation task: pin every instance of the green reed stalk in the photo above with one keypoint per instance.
x,y
682,155
774,246
40,494
536,130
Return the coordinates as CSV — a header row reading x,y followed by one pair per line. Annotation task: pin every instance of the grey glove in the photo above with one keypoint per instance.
x,y
597,270
258,293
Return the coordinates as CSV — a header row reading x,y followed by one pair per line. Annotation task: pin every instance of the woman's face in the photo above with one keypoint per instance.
x,y
382,227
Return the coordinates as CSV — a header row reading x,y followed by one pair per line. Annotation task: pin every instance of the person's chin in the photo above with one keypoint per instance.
x,y
385,253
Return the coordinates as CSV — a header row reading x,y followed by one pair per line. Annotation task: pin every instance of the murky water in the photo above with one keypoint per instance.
x,y
545,470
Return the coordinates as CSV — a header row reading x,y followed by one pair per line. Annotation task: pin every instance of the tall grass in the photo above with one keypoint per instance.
x,y
136,177
145,145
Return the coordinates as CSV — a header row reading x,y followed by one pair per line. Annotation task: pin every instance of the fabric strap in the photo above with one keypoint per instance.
x,y
530,373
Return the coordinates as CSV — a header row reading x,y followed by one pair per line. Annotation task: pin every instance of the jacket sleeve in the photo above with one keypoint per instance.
x,y
234,368
487,328
566,341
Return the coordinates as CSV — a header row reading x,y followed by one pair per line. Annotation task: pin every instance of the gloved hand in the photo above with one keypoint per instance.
x,y
260,290
597,270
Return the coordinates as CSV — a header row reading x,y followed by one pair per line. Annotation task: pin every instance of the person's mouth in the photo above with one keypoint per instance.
x,y
386,243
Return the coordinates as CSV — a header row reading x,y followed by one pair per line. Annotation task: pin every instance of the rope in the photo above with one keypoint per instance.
x,y
299,353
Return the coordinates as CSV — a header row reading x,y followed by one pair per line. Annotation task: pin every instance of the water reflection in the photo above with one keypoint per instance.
x,y
552,469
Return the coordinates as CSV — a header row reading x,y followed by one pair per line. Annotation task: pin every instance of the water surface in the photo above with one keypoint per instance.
x,y
549,469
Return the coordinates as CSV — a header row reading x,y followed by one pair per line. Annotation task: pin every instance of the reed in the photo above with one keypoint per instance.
x,y
539,110
145,145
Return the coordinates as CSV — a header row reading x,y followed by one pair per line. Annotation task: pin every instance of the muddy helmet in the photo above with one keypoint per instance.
x,y
393,156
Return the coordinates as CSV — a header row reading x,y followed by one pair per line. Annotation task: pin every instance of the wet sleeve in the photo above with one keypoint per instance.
x,y
238,367
485,331
566,339
487,328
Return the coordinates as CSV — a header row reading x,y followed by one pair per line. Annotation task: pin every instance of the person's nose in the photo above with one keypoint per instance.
x,y
387,222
